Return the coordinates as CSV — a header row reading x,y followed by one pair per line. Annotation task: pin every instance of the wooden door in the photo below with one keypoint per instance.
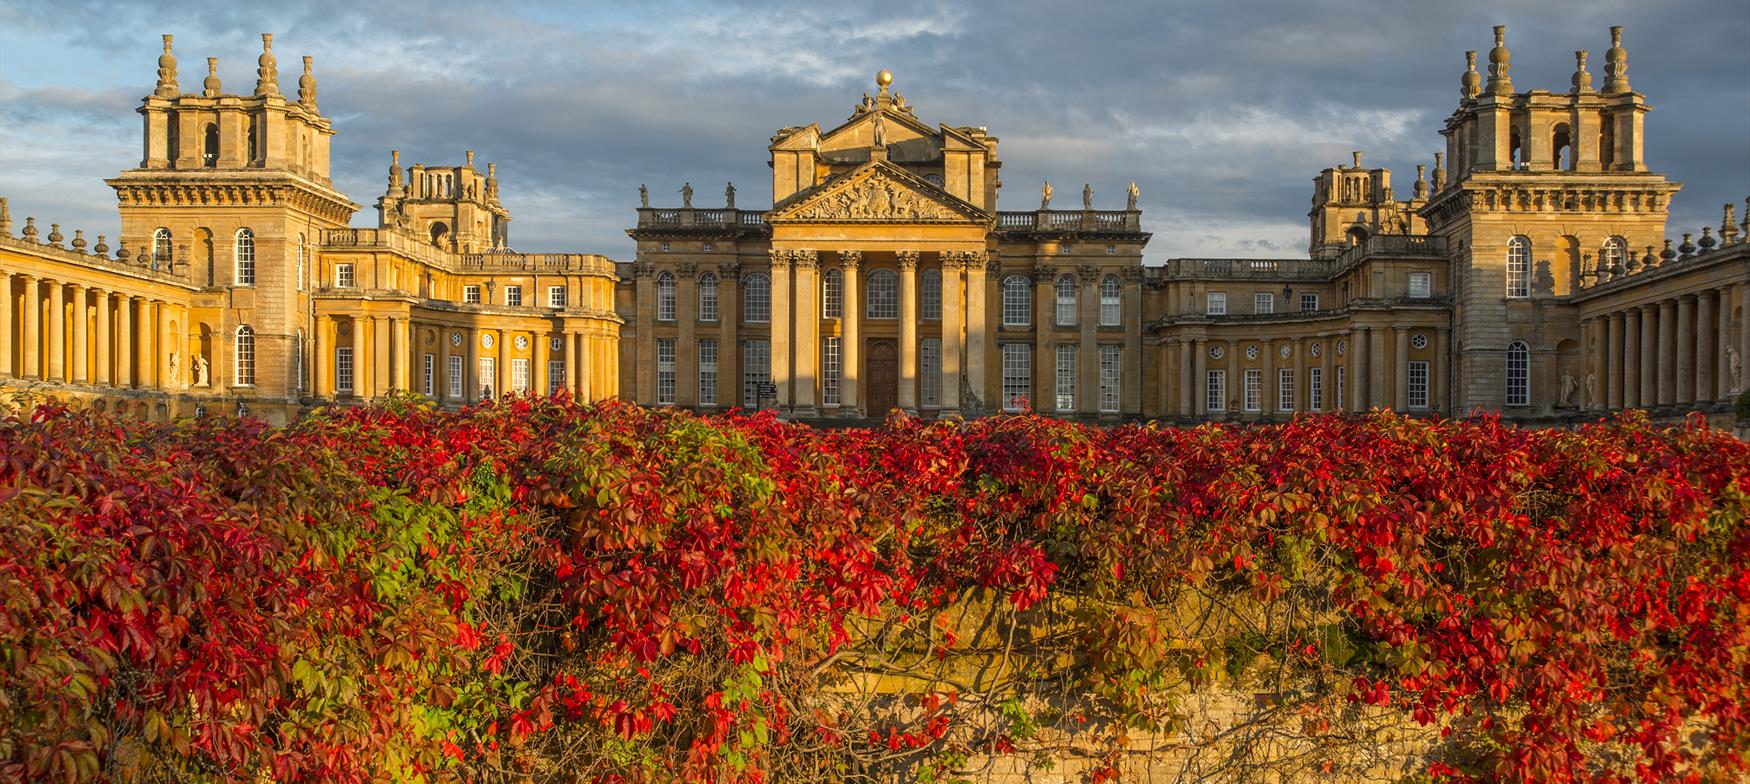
x,y
882,389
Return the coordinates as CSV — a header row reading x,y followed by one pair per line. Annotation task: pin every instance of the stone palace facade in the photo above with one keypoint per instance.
x,y
1530,274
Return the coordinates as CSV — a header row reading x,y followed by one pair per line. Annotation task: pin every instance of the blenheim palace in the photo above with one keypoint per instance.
x,y
1529,272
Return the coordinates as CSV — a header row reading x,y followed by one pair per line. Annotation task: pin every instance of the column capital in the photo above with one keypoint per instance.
x,y
805,258
908,259
850,259
1088,273
729,270
1044,273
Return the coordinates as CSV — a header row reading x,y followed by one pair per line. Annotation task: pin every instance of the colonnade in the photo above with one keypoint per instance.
x,y
1357,368
58,331
1675,351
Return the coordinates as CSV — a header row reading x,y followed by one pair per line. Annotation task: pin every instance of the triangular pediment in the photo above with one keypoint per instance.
x,y
877,192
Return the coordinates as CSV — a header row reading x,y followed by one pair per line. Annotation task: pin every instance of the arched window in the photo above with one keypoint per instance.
x,y
1066,300
244,254
210,147
243,352
1017,301
254,140
665,308
300,262
883,295
1111,301
756,298
161,245
708,297
1519,267
932,295
1518,374
172,139
833,293
1613,254
1562,147
439,232
1357,235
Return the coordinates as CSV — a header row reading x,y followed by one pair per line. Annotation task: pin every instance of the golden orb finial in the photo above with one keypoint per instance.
x,y
883,78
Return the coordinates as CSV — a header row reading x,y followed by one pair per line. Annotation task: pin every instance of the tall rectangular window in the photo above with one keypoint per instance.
x,y
1315,388
488,376
756,369
665,373
708,298
1263,302
830,371
343,369
1215,391
430,368
555,296
708,372
555,375
1017,375
455,377
930,296
513,296
1111,358
1216,304
1419,383
930,371
1421,285
519,375
343,276
1066,378
471,295
298,361
1340,388
1254,390
1285,389
1309,302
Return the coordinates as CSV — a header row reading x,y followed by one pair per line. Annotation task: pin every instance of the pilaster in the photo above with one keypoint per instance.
x,y
908,330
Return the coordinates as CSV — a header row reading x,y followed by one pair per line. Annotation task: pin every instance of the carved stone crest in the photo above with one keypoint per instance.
x,y
875,198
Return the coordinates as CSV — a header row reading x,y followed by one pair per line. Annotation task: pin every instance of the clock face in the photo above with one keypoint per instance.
x,y
486,339
1251,352
522,341
455,338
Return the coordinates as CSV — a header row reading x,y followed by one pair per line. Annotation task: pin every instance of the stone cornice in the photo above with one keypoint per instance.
x,y
170,188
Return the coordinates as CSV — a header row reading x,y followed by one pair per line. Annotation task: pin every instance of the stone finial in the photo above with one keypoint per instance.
x,y
267,71
470,156
79,240
102,247
1649,261
210,87
394,171
1421,190
1666,255
6,217
1688,247
1582,81
1500,64
1616,64
1439,171
1707,241
307,84
1745,225
1470,85
121,251
1728,225
166,73
1356,156
29,228
55,236
1633,263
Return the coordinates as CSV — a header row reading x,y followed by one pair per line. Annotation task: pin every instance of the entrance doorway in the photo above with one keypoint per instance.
x,y
883,384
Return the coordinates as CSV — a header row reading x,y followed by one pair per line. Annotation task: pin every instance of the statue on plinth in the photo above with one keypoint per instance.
x,y
1132,194
729,196
1087,196
1045,196
1592,391
1567,389
200,371
643,196
687,196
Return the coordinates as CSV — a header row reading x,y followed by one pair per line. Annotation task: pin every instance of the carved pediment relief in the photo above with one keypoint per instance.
x,y
877,197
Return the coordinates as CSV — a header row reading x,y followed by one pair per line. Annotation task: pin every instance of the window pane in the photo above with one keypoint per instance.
x,y
455,376
829,371
665,372
883,295
1519,267
1315,389
1216,389
932,295
1110,368
665,296
1066,378
708,297
1017,301
707,372
1419,384
756,368
1066,301
1284,389
1111,302
1518,374
930,371
1217,304
757,299
1254,390
1017,375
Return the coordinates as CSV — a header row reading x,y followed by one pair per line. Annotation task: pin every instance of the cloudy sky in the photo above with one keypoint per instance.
x,y
1221,111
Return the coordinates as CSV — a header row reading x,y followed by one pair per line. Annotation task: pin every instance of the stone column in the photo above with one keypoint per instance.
x,y
30,350
1667,352
146,332
1631,358
805,396
381,380
1595,339
1088,354
57,346
1613,355
1130,394
81,370
1302,390
1646,372
1442,370
406,353
851,332
1686,349
572,377
953,341
1191,378
1378,369
501,343
644,376
728,345
1724,376
908,330
686,350
1044,334
105,357
1706,347
361,357
781,325
540,376
322,383
7,367
124,343
1401,369
1267,392
1235,404
976,324
1743,380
